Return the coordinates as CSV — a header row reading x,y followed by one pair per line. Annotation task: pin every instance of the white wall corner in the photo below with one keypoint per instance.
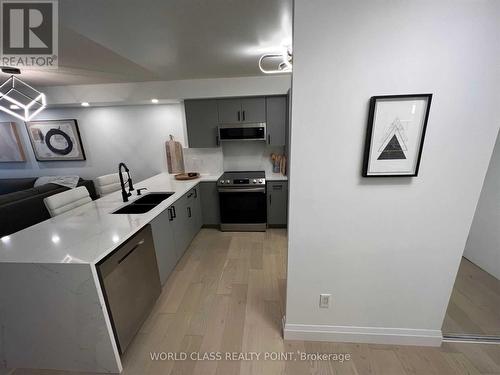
x,y
366,335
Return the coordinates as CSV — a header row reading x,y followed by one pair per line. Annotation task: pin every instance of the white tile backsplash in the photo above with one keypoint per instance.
x,y
203,160
231,156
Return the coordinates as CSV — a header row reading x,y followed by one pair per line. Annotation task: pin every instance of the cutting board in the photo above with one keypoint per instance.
x,y
186,176
175,158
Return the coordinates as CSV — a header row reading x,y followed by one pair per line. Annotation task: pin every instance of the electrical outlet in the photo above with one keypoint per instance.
x,y
324,301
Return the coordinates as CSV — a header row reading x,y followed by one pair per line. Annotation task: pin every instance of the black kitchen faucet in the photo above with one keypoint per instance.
x,y
125,194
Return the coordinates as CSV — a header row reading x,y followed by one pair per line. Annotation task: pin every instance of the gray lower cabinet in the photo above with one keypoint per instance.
x,y
193,207
277,201
202,121
163,237
180,223
174,229
209,203
276,113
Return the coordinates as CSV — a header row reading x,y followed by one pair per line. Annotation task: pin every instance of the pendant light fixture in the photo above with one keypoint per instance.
x,y
19,99
284,66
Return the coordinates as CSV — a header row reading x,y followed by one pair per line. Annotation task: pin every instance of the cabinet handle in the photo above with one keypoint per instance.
x,y
189,211
270,200
196,193
269,138
243,115
217,140
170,214
239,116
174,213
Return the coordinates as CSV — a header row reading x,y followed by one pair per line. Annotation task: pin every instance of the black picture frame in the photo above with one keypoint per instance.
x,y
371,126
57,154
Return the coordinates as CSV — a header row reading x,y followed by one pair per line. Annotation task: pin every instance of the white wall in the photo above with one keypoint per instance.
x,y
133,134
387,249
142,92
483,244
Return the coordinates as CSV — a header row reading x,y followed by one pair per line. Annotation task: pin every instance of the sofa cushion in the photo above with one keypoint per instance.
x,y
17,196
49,187
25,208
10,185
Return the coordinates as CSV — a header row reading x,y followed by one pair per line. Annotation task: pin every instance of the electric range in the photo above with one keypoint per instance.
x,y
242,198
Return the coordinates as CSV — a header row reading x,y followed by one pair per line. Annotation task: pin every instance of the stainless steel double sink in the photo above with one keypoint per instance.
x,y
144,204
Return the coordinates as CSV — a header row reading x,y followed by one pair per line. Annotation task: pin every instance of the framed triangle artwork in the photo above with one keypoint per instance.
x,y
395,135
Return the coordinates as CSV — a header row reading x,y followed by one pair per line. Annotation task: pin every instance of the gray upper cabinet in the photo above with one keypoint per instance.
x,y
202,120
204,115
241,110
253,110
276,113
229,111
277,201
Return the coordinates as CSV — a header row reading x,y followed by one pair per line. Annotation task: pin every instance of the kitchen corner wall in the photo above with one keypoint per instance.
x,y
386,249
135,135
483,244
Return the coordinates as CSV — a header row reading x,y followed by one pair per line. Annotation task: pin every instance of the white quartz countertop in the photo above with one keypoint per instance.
x,y
89,233
275,177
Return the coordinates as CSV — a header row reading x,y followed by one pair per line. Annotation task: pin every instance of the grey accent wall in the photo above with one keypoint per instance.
x,y
133,134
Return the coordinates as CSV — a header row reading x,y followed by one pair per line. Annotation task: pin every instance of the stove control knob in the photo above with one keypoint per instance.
x,y
254,181
227,181
221,181
261,181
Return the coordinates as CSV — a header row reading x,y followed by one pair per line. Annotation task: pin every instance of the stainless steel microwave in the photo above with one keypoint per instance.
x,y
243,132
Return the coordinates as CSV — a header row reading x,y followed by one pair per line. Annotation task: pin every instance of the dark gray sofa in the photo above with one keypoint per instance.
x,y
21,204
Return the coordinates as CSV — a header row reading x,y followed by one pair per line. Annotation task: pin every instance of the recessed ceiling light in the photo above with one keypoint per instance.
x,y
13,106
55,238
85,104
154,101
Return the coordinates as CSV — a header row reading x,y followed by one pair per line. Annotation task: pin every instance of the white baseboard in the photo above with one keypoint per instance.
x,y
368,335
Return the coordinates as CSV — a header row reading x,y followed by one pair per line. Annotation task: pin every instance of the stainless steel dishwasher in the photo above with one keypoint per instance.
x,y
131,285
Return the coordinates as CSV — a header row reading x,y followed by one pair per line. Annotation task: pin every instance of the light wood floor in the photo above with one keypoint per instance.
x,y
474,306
227,294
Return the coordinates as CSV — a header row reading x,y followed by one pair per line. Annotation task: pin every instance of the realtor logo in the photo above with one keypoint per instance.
x,y
29,33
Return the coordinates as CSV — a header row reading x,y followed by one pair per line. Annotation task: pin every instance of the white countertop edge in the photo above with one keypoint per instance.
x,y
87,234
36,245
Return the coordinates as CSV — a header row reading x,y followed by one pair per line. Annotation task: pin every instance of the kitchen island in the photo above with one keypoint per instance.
x,y
53,314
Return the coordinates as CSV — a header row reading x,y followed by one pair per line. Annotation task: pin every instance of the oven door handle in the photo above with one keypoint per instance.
x,y
243,190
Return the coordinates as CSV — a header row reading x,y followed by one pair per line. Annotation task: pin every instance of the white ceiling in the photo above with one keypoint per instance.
x,y
106,41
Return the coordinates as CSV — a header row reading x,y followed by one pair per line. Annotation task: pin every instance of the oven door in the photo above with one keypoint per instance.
x,y
243,209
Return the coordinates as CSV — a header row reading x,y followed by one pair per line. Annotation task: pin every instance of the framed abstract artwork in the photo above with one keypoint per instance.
x,y
395,135
56,140
11,149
